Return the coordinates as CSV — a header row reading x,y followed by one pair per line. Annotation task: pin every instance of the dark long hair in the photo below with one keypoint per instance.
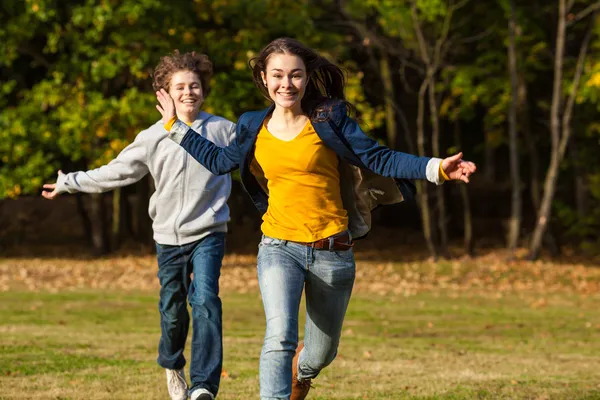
x,y
326,81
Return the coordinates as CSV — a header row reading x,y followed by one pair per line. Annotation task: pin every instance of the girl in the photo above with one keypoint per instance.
x,y
314,176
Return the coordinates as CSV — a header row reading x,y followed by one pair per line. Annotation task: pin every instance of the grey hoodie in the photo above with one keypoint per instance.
x,y
189,202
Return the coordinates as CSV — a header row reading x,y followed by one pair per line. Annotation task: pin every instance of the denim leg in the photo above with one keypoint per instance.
x,y
281,274
173,276
207,335
329,284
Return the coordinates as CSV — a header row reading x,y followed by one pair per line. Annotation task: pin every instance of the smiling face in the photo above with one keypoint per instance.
x,y
285,78
186,90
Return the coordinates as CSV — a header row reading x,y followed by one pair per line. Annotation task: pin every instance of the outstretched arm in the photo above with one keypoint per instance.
x,y
387,162
218,160
127,168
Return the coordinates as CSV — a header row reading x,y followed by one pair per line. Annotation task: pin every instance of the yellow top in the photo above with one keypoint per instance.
x,y
305,201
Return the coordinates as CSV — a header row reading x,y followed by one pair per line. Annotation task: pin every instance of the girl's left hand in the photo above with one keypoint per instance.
x,y
458,169
166,106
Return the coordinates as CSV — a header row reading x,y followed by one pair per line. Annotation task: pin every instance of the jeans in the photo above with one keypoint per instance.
x,y
175,264
284,270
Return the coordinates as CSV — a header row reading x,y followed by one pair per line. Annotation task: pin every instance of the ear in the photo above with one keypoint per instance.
x,y
264,78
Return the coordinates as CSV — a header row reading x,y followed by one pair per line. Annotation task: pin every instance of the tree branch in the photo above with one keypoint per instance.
x,y
420,38
566,120
477,37
36,55
584,13
379,42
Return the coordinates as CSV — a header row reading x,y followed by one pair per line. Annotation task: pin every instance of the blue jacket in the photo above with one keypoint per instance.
x,y
370,174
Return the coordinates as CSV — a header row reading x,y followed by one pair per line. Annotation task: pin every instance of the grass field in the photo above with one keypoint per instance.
x,y
98,344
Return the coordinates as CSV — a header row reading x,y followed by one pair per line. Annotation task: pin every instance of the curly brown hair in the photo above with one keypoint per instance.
x,y
168,65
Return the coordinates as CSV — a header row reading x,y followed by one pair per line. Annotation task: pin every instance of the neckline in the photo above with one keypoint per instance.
x,y
304,128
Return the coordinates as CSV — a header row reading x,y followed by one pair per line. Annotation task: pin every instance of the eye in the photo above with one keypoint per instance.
x,y
277,76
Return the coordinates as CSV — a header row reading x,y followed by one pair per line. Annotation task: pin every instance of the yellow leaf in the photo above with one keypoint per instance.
x,y
594,80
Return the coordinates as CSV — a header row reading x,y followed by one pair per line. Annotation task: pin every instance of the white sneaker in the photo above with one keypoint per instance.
x,y
202,394
178,388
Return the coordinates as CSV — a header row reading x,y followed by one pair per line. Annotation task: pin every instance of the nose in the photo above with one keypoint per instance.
x,y
287,82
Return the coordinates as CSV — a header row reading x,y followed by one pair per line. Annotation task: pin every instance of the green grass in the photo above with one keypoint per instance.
x,y
102,345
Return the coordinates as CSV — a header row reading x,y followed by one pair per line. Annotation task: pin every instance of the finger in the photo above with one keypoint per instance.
x,y
456,157
467,166
160,110
50,186
48,195
60,172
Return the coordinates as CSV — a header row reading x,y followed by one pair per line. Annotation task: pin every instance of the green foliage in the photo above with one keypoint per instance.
x,y
76,78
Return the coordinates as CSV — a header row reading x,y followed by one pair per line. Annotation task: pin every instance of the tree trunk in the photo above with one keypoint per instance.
x,y
118,216
559,143
85,217
533,155
489,161
422,188
388,95
435,144
516,206
468,241
581,192
97,218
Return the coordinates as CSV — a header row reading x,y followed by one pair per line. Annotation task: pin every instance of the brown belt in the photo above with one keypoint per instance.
x,y
335,243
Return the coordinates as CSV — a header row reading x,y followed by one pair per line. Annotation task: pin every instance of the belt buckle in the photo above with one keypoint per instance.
x,y
331,243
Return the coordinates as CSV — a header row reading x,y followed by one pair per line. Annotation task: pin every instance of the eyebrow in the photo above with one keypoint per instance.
x,y
294,70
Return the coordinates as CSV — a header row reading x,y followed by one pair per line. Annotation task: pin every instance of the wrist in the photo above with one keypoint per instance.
x,y
169,124
443,174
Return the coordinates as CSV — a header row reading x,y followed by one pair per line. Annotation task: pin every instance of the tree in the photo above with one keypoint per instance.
x,y
560,116
515,173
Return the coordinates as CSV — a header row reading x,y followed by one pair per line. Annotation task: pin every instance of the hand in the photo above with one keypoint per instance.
x,y
50,191
167,105
456,168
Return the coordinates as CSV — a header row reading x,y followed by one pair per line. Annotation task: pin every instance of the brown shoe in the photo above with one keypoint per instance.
x,y
299,388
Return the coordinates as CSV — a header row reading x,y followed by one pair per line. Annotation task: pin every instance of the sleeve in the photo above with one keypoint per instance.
x,y
218,160
232,133
128,167
386,162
